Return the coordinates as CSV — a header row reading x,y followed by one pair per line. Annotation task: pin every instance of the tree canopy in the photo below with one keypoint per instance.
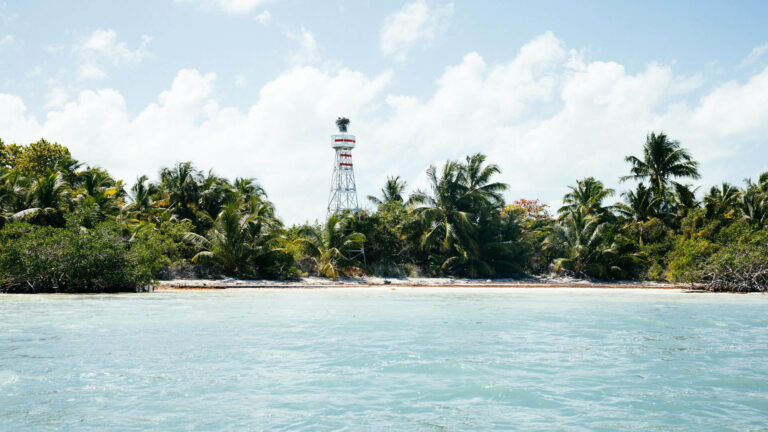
x,y
186,222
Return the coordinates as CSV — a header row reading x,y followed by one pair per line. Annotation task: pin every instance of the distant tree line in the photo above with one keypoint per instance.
x,y
68,227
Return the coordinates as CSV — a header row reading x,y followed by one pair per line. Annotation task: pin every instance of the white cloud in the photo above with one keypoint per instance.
x,y
56,98
264,17
8,40
88,71
755,55
306,52
104,43
416,23
227,6
241,80
102,46
17,125
547,116
730,109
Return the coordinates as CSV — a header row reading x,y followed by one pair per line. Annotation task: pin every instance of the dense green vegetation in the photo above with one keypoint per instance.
x,y
68,227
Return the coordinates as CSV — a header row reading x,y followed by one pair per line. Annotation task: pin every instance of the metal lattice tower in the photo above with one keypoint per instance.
x,y
343,194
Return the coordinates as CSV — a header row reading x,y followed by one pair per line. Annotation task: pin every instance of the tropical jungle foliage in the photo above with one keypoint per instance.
x,y
68,227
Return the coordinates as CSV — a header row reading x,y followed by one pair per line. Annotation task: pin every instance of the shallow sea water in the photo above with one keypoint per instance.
x,y
405,360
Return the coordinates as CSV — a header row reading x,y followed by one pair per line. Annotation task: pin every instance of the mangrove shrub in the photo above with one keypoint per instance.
x,y
47,259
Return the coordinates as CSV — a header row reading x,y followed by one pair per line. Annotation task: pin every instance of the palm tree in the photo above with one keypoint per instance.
x,y
47,200
6,193
762,182
754,204
329,245
264,227
582,245
181,187
453,215
96,181
214,193
586,197
475,177
392,192
99,192
722,201
662,162
684,199
142,203
229,243
439,210
495,248
246,188
639,205
69,169
14,192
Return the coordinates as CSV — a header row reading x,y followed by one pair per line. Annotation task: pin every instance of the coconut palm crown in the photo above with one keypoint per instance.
x,y
392,192
663,160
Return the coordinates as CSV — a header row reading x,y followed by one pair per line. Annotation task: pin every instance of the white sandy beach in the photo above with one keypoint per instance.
x,y
543,283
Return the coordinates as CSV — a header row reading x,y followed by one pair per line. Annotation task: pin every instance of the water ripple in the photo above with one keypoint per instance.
x,y
405,360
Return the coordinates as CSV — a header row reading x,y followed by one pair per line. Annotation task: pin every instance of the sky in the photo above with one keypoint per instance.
x,y
551,91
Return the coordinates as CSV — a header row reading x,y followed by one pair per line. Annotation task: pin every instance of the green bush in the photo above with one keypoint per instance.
x,y
737,268
655,272
740,262
277,265
657,255
722,258
46,259
167,239
383,247
687,259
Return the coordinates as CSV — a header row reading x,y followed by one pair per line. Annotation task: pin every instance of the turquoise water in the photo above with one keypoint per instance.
x,y
405,360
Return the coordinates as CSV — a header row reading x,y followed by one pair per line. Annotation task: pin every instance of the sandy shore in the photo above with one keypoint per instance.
x,y
376,282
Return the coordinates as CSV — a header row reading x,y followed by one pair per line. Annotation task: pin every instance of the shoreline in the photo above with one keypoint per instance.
x,y
443,283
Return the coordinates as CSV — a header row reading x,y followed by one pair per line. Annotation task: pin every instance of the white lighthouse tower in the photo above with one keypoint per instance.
x,y
343,194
